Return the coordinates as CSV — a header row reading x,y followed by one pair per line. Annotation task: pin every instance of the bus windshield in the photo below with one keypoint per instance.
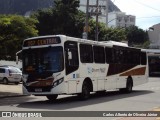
x,y
42,60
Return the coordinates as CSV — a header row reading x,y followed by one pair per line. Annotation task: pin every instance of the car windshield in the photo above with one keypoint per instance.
x,y
42,60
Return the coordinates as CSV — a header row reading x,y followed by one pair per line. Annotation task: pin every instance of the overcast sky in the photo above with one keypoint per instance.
x,y
141,8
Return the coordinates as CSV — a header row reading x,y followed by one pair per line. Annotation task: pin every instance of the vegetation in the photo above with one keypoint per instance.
x,y
64,18
14,29
136,35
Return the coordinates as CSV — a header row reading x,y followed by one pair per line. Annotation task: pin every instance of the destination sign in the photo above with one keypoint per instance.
x,y
42,41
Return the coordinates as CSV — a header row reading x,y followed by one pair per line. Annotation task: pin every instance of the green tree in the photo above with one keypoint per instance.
x,y
115,34
136,35
63,18
14,29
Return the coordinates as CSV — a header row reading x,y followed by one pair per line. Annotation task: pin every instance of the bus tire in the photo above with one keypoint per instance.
x,y
52,97
85,91
129,85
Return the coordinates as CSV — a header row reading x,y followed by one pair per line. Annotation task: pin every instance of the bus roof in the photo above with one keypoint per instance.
x,y
80,40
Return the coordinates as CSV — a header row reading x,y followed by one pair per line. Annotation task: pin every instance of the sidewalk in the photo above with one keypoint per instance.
x,y
10,90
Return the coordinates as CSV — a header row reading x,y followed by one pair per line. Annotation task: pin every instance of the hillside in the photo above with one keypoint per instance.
x,y
23,6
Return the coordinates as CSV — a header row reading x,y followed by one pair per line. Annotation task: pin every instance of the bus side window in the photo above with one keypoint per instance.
x,y
86,53
109,55
99,56
71,56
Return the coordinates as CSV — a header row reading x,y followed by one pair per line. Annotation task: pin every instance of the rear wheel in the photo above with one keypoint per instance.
x,y
5,81
129,86
16,83
52,97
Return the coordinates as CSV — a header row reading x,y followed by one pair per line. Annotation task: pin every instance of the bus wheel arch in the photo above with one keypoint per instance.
x,y
87,87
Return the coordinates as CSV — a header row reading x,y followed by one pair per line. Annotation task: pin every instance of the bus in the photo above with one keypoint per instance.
x,y
55,65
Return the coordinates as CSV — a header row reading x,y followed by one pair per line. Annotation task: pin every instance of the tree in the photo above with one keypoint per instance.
x,y
63,18
14,29
106,34
136,35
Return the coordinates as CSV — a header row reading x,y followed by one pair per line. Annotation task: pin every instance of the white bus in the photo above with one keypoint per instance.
x,y
58,64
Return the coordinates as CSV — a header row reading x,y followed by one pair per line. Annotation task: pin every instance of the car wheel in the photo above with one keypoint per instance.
x,y
5,81
16,83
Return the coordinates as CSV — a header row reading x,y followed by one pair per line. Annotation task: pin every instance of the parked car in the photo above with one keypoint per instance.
x,y
10,74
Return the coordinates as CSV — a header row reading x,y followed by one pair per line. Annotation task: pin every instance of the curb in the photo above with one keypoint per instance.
x,y
2,95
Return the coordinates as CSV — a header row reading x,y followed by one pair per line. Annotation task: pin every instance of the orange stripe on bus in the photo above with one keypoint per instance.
x,y
137,71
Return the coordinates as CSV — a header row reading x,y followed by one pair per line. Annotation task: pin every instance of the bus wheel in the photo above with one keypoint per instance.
x,y
129,85
85,91
52,97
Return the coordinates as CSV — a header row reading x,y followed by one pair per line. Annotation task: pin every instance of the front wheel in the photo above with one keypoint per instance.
x,y
85,92
52,97
5,81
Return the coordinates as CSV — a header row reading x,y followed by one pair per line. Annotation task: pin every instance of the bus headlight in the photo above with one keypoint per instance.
x,y
57,82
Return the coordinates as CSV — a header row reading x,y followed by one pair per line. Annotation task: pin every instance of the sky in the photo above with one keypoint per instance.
x,y
147,12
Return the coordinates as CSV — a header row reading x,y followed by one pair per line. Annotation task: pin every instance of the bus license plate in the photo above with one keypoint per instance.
x,y
38,90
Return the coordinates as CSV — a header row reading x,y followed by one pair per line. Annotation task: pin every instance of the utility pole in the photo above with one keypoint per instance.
x,y
97,14
86,28
107,2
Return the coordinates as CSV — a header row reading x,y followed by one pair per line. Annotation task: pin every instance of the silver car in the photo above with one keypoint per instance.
x,y
10,74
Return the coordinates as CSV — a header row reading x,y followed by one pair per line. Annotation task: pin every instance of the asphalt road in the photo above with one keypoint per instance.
x,y
145,97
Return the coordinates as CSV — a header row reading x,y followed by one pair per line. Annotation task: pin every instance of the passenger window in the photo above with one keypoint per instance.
x,y
2,70
109,55
99,56
86,53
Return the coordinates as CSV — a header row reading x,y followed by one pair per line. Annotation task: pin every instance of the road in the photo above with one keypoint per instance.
x,y
145,97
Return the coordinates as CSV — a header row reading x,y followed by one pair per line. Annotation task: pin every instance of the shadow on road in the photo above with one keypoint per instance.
x,y
73,102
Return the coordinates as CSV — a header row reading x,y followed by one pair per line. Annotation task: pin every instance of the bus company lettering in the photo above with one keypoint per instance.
x,y
93,70
101,70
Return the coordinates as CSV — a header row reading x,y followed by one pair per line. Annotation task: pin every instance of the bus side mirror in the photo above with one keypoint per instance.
x,y
69,55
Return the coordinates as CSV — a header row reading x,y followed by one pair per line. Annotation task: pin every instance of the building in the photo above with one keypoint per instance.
x,y
120,19
92,9
112,19
154,36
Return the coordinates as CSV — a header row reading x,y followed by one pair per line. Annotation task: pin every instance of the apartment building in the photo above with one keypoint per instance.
x,y
154,36
120,19
102,5
112,19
